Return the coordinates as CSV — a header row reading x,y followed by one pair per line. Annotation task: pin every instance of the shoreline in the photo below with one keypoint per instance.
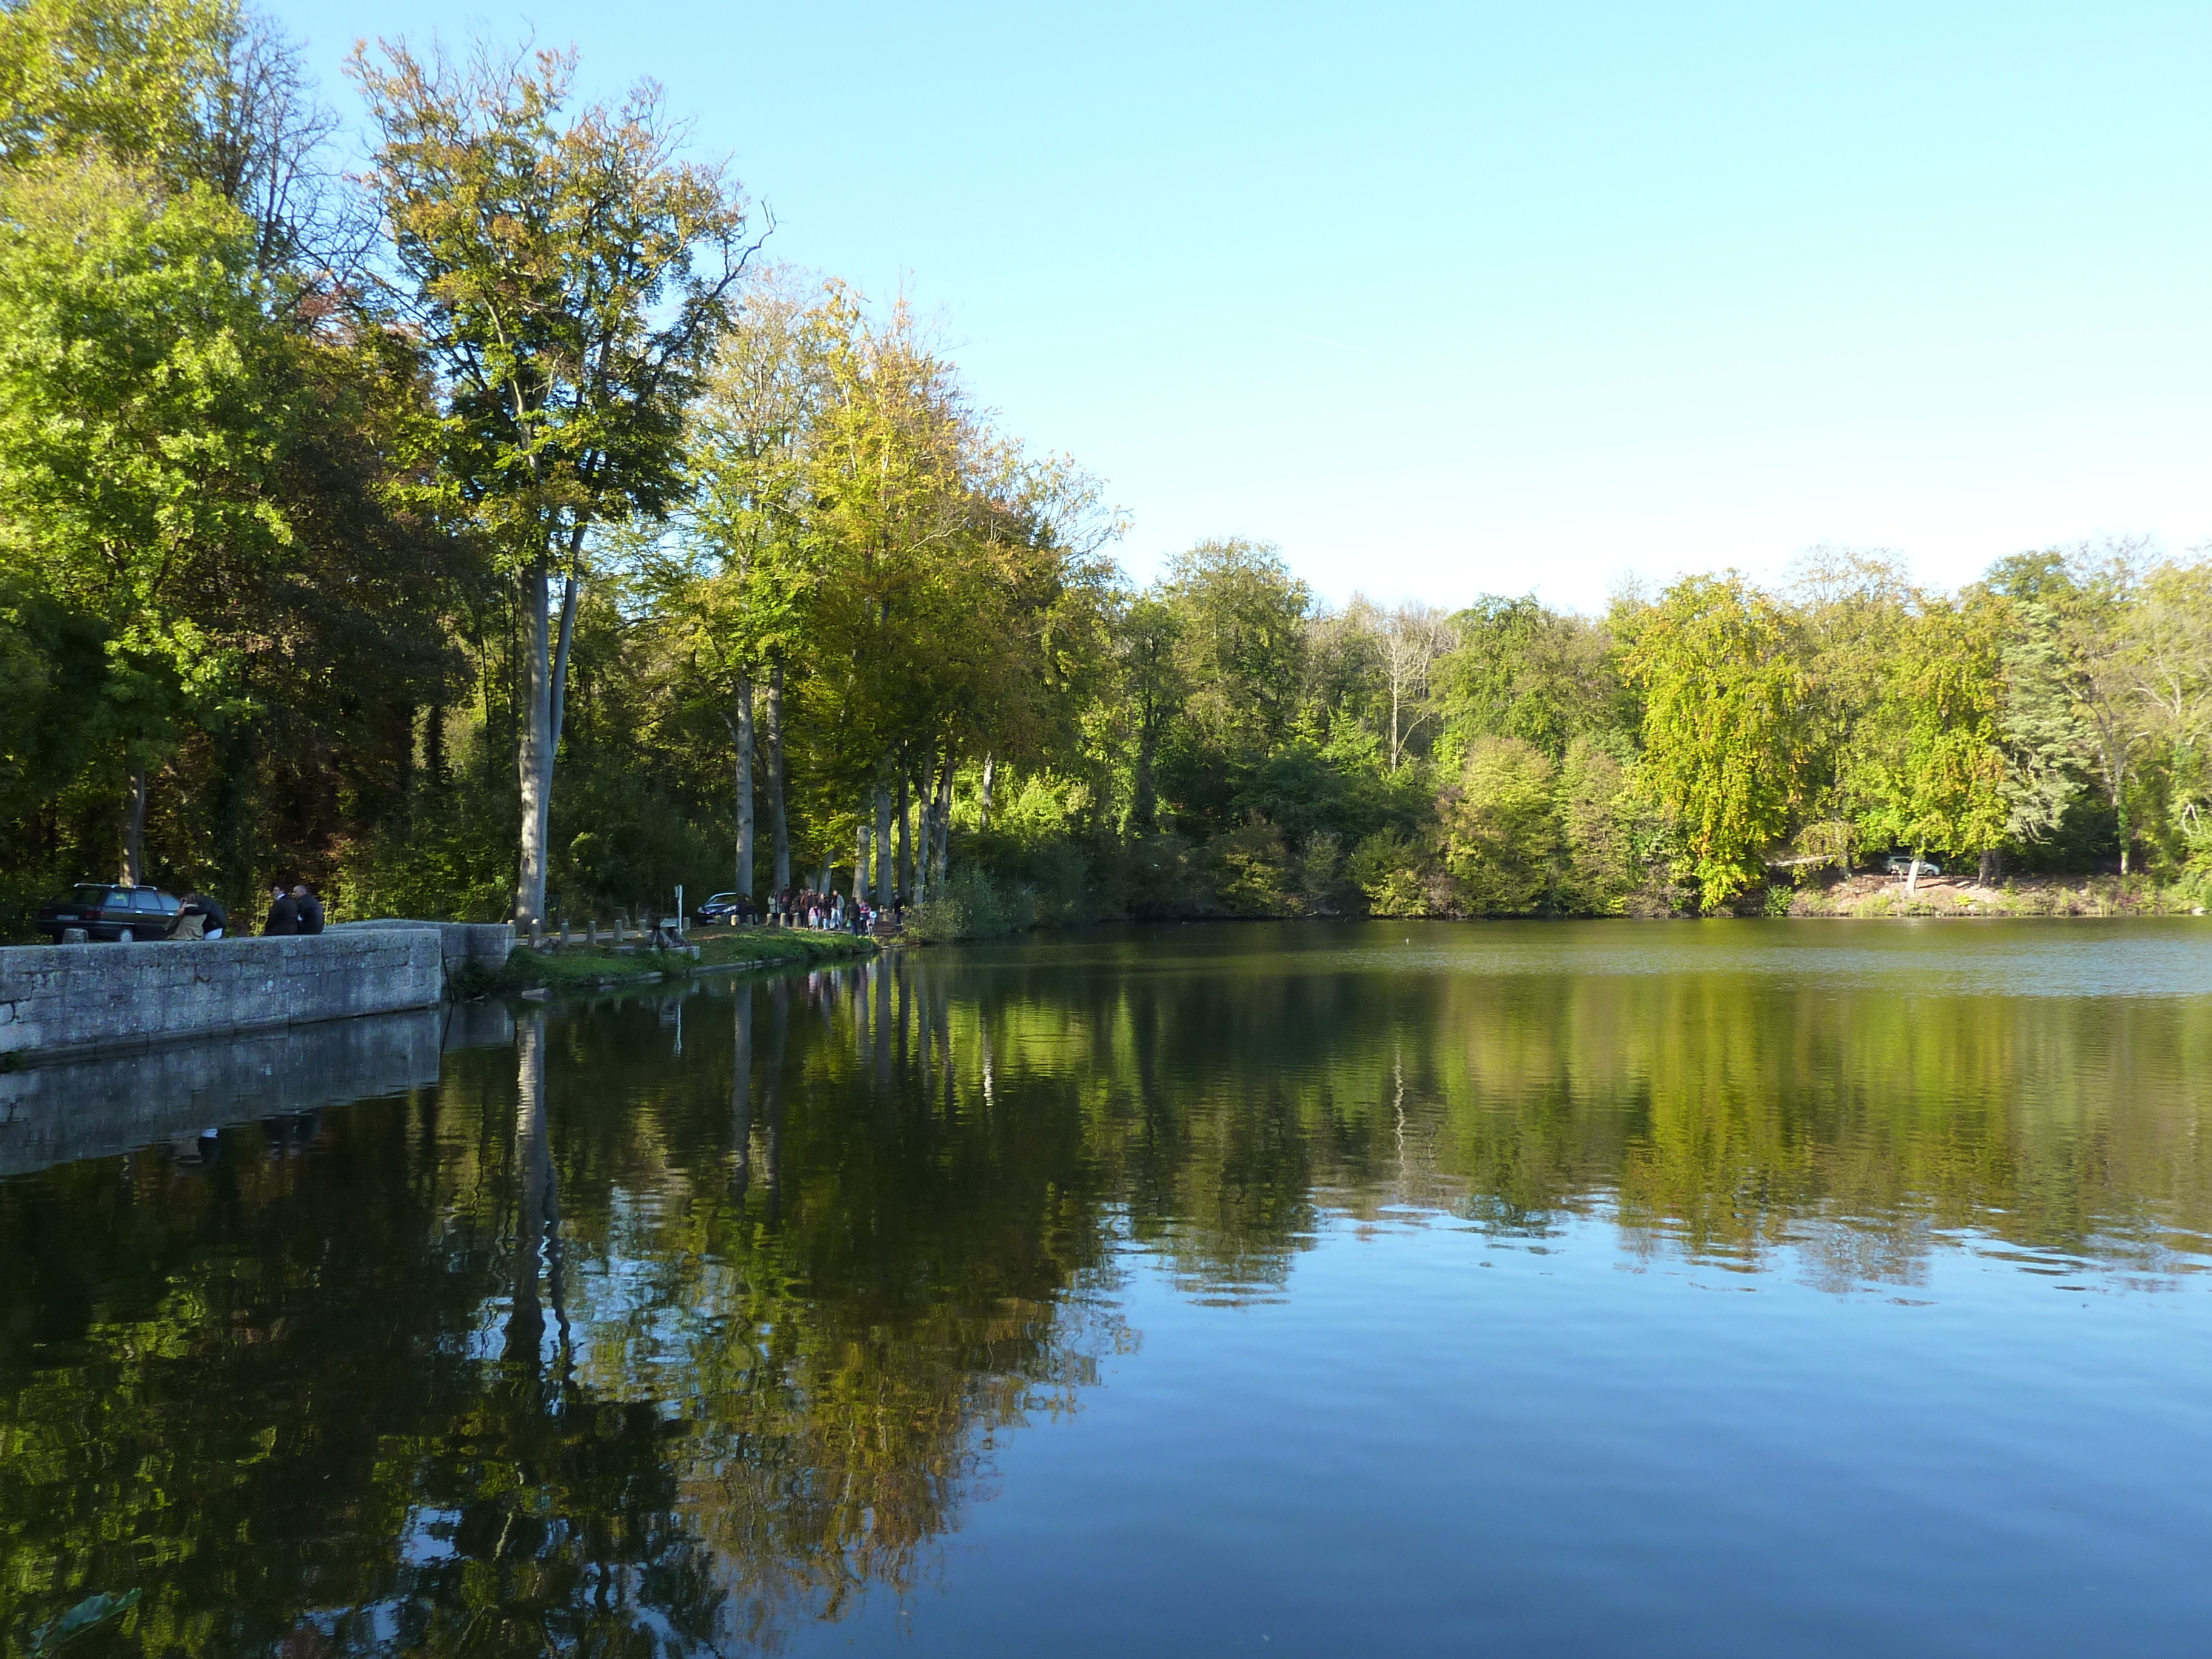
x,y
719,951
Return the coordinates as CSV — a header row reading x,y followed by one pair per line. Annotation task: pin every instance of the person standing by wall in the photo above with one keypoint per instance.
x,y
200,917
283,919
308,908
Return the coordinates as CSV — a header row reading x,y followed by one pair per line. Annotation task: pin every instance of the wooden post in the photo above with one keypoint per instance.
x,y
591,932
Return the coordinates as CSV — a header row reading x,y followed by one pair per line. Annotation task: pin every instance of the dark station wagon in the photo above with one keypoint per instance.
x,y
110,913
722,909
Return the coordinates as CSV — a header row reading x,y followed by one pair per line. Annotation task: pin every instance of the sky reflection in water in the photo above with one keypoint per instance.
x,y
1744,1288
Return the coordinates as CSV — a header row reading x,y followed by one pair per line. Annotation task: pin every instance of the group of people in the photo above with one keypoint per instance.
x,y
805,907
297,911
293,910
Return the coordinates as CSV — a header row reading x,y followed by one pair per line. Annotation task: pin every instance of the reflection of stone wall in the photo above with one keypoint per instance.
x,y
59,999
479,1025
96,1108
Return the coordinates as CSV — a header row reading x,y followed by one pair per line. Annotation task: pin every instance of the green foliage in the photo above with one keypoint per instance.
x,y
1160,876
133,79
973,904
139,423
1927,762
1388,870
1522,671
1598,810
443,866
1501,843
1721,687
1241,641
1256,875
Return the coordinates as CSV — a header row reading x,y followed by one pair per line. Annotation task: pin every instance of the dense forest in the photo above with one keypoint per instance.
x,y
489,526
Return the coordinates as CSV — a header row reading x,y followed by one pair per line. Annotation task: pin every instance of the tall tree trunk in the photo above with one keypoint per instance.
x,y
134,825
779,823
983,797
1393,722
860,864
741,740
924,827
533,743
943,822
1148,799
559,693
902,875
882,847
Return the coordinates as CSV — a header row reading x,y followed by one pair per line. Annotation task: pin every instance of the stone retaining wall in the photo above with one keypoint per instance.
x,y
486,944
58,1001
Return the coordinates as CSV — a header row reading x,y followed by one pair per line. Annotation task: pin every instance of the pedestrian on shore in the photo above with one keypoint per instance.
x,y
309,907
283,915
199,917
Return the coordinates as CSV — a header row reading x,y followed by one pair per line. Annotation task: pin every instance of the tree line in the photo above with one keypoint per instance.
x,y
497,530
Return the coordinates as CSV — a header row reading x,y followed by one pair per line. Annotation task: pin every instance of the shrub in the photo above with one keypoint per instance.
x,y
972,904
1599,869
1501,840
1256,873
1386,870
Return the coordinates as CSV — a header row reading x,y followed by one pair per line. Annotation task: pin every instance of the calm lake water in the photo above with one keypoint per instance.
x,y
1736,1288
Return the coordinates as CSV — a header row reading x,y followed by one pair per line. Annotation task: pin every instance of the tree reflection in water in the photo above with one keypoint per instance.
x,y
602,1346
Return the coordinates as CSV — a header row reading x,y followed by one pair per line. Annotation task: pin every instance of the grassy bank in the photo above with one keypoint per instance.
x,y
2053,896
577,968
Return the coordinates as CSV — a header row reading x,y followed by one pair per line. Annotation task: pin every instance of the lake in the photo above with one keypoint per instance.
x,y
1723,1288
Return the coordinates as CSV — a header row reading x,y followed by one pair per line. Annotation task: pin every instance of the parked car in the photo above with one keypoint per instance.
x,y
722,910
1900,864
107,912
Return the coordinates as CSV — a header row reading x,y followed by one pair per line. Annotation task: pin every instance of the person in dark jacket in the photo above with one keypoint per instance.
x,y
198,906
310,909
283,915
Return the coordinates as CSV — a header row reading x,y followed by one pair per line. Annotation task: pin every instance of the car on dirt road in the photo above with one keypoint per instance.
x,y
1900,864
110,912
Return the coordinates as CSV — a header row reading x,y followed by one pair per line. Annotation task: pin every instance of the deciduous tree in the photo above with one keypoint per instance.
x,y
571,274
1720,689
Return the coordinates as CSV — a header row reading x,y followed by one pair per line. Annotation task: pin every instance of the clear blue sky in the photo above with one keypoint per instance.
x,y
1449,300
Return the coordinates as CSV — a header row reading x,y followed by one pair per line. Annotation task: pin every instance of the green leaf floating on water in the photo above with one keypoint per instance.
x,y
80,1619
